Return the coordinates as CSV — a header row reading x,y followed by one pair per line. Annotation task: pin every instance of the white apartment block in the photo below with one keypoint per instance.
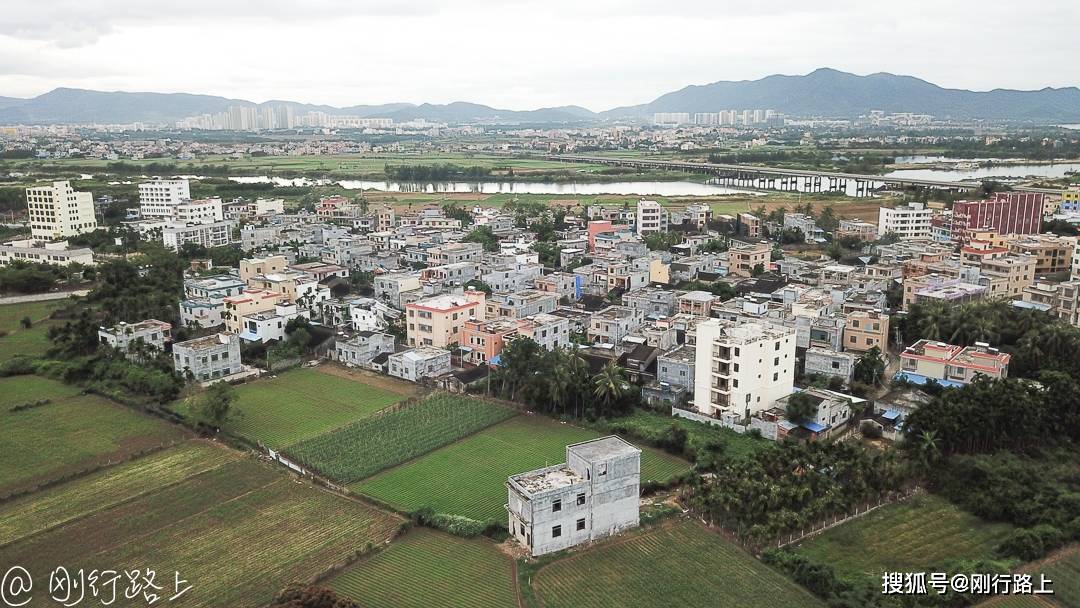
x,y
201,211
209,357
651,217
742,368
43,252
214,234
911,221
592,495
57,211
159,197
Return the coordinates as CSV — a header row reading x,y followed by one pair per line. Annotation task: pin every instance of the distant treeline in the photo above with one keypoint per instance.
x,y
434,173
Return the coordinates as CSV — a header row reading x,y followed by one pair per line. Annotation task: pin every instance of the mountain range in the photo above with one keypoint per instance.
x,y
822,93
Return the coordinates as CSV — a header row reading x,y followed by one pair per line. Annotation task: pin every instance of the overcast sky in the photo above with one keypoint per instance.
x,y
521,54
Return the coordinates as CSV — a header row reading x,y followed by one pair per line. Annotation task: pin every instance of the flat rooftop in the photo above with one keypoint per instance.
x,y
550,478
603,448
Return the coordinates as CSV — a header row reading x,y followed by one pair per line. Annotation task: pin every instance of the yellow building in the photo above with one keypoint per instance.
x,y
742,259
439,321
863,330
247,302
256,266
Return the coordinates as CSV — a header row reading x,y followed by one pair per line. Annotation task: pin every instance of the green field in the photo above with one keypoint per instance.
x,y
429,569
236,529
372,444
468,477
698,434
676,564
908,536
301,404
1064,572
19,340
70,434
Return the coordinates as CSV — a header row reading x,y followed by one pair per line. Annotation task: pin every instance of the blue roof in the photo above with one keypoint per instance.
x,y
813,427
496,360
920,380
890,414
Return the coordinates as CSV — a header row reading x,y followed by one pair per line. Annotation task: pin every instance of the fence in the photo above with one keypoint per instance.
x,y
767,429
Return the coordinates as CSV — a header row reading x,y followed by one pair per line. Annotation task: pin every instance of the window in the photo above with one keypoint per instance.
x,y
556,506
581,499
601,469
556,531
775,377
581,524
522,528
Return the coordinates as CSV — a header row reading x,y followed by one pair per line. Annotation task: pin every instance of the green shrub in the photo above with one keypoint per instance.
x,y
1024,544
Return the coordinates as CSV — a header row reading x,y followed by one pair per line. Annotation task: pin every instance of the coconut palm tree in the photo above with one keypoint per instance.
x,y
609,386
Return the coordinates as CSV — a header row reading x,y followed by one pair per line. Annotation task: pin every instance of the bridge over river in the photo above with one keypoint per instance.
x,y
786,180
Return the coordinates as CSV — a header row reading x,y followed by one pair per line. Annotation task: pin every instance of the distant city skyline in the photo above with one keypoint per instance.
x,y
523,55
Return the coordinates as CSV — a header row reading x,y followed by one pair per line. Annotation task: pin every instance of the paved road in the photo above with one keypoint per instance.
x,y
43,297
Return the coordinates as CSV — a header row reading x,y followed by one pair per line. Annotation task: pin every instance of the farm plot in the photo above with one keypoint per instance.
x,y
468,477
677,564
1064,571
301,404
236,529
71,433
909,536
428,569
372,444
22,341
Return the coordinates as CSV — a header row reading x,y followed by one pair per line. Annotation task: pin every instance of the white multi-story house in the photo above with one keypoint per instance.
x,y
419,363
360,349
209,357
651,217
158,198
204,305
57,211
742,368
368,314
592,495
151,333
267,325
549,331
911,221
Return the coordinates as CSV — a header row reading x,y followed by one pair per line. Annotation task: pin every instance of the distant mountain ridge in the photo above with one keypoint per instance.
x,y
824,93
831,93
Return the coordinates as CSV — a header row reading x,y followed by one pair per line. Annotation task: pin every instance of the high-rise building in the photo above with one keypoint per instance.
x,y
158,198
57,211
1006,213
742,369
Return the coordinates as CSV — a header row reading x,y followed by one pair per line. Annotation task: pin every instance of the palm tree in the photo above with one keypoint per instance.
x,y
609,385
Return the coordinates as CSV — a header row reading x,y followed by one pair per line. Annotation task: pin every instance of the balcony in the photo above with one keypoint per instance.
x,y
724,369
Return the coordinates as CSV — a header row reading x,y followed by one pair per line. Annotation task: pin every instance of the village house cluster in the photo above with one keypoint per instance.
x,y
440,309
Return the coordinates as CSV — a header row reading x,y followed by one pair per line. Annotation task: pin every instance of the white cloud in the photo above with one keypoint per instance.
x,y
599,53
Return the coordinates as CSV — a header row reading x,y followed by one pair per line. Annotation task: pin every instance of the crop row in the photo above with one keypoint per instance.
x,y
370,445
680,564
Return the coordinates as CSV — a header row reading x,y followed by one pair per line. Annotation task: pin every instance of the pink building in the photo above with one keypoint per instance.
x,y
595,228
